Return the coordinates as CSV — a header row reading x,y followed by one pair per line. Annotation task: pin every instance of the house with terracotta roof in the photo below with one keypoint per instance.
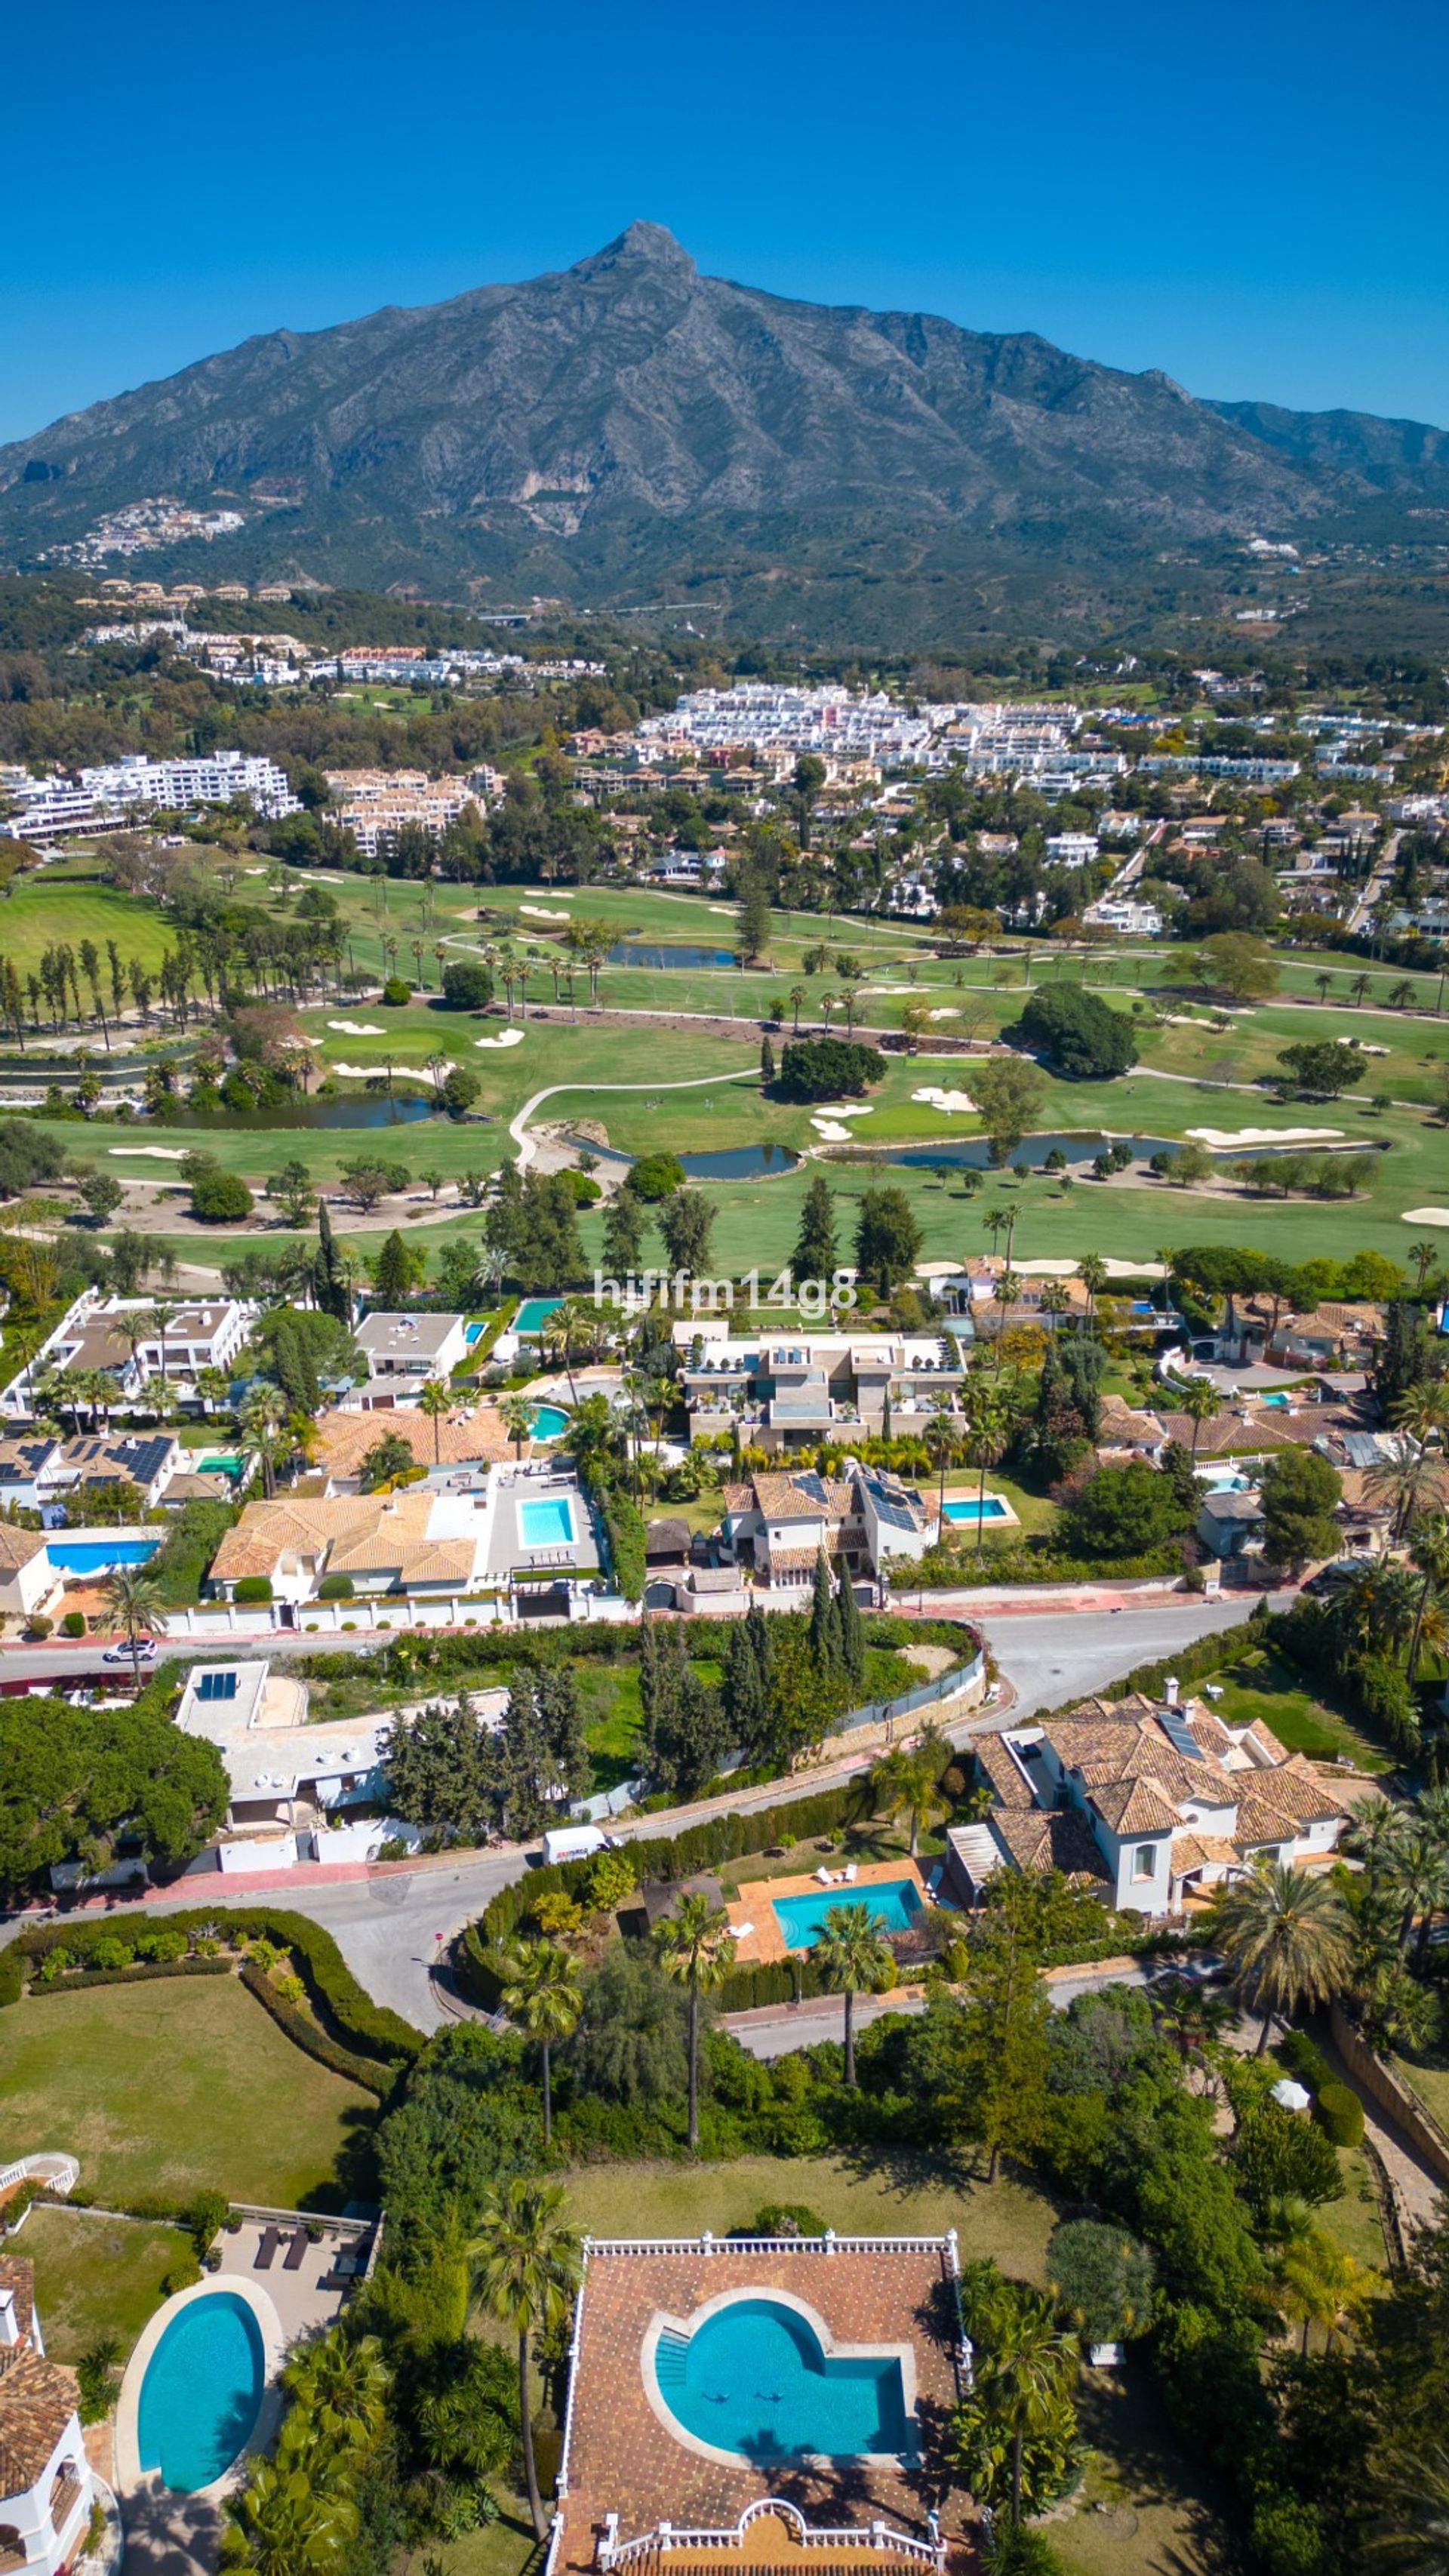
x,y
27,1577
46,2485
863,1518
1151,1802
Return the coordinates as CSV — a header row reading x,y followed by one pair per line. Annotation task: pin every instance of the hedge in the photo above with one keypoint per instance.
x,y
332,1989
138,1975
1339,2114
1028,1563
307,2036
707,1846
624,1527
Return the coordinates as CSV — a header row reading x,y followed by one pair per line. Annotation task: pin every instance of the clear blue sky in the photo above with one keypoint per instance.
x,y
1251,198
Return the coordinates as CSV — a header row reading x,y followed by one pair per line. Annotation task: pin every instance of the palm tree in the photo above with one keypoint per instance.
x,y
987,1431
1092,1272
1376,1834
259,1419
1423,1255
1287,1938
542,1991
941,1440
527,2259
436,1401
1360,985
1325,986
515,1412
798,996
1200,1400
1028,2376
851,1954
294,2526
342,2387
1411,2536
1315,2281
1403,995
135,1596
571,1325
1418,1880
1429,1550
697,1949
905,1784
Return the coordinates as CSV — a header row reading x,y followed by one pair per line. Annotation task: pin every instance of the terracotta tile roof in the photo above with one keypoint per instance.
x,y
37,2401
1192,1850
798,1560
782,1498
18,1546
1135,1807
302,1527
17,2274
1049,1838
343,1439
1120,1425
1003,1772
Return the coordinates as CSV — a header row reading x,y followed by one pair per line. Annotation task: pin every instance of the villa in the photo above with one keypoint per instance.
x,y
1149,1803
435,1541
404,1351
759,2403
96,1334
462,1438
46,2485
780,1524
300,1791
821,1386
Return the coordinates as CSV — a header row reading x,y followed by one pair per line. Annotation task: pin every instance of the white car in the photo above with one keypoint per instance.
x,y
143,1652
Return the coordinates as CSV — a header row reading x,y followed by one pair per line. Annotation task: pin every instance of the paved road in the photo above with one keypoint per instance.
x,y
388,1926
771,2034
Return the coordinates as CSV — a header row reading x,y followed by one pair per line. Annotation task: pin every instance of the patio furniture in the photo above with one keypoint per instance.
x,y
824,1877
850,1872
266,2250
296,2251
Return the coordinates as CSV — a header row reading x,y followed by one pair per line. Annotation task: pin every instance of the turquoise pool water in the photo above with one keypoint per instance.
x,y
473,1333
201,2391
547,1523
752,2379
801,1918
87,1556
549,1421
534,1313
972,1512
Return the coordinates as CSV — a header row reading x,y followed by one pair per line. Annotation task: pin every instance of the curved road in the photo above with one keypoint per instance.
x,y
518,1126
391,1926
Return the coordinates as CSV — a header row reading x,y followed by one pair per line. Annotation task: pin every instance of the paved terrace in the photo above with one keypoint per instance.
x,y
759,1933
621,2457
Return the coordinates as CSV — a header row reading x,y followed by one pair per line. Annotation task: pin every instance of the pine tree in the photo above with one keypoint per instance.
x,y
815,1255
392,1282
523,1766
563,1726
852,1632
824,1619
744,1692
767,1064
690,1733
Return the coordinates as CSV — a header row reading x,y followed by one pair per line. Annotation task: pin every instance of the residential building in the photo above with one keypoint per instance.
x,y
375,804
864,1518
1231,1524
47,2486
217,778
74,1468
430,1542
94,1334
1150,1803
1073,849
53,809
27,1577
300,1790
407,1350
1121,913
793,1393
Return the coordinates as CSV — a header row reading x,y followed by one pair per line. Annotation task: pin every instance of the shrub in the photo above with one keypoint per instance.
x,y
208,2216
335,1587
185,2272
397,991
110,1952
1339,2114
305,2033
786,2218
37,1625
585,1188
1076,1032
655,1176
1301,2057
220,1198
73,1624
467,987
253,1587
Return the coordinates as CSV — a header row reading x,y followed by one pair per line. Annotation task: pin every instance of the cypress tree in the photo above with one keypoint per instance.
x,y
885,1417
767,1064
852,1631
824,1619
744,1691
757,1629
329,1288
391,1283
816,1253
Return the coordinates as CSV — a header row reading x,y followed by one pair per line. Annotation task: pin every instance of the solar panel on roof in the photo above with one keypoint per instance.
x,y
1178,1734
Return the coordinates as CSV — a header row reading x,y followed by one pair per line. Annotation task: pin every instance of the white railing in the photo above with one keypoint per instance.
x,y
829,2243
58,2173
669,2536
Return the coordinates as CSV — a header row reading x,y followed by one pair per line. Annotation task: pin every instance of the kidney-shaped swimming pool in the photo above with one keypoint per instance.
x,y
202,2390
754,2378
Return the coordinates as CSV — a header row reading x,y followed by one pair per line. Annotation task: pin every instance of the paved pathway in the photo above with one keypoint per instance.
x,y
518,1127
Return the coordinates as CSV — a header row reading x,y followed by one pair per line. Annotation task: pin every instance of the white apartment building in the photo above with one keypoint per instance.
x,y
94,1334
374,804
51,809
1073,849
764,719
220,778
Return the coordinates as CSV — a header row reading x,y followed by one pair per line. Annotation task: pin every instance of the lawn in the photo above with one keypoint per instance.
x,y
1260,1688
1354,2222
178,2086
96,2276
1142,2506
1428,2080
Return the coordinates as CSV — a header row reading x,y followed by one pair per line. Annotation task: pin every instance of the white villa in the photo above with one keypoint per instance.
x,y
94,1334
779,1524
404,1351
1152,1803
296,1789
46,2485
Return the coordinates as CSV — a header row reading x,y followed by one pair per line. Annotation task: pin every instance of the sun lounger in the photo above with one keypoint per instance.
x,y
266,2250
850,1873
824,1877
296,2251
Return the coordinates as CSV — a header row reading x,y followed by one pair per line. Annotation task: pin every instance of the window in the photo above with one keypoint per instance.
x,y
1144,1861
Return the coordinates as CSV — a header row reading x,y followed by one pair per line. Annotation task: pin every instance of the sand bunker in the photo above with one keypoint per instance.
x,y
538,912
357,1028
505,1037
1410,1216
1229,1136
830,1132
956,1103
945,1015
158,1153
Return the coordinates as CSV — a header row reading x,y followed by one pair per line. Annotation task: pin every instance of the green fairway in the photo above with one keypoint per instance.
x,y
174,2087
49,906
97,2276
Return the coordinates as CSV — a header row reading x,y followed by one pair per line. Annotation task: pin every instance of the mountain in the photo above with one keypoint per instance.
x,y
627,428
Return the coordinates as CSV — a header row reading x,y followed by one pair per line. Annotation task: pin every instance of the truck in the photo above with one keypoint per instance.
x,y
573,1842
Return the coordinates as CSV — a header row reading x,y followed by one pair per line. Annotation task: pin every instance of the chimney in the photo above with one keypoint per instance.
x,y
1171,1690
9,2321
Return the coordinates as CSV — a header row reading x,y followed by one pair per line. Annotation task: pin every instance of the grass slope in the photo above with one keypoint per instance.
x,y
96,2276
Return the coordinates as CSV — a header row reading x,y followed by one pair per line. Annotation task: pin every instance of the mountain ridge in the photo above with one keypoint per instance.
x,y
626,421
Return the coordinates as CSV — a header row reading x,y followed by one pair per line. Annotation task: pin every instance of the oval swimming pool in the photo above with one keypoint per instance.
x,y
549,1421
202,2389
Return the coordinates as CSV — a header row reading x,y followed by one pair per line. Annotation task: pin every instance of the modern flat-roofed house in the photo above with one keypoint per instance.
x,y
46,2484
1152,1802
787,1394
403,1351
96,1333
292,1784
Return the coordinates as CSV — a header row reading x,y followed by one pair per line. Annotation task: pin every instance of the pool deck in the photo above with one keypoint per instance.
x,y
623,2458
1002,1518
759,1933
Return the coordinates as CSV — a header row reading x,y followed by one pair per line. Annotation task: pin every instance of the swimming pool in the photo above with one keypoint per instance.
x,y
754,2379
473,1333
549,1421
959,1509
549,1522
896,1900
88,1556
201,2392
534,1313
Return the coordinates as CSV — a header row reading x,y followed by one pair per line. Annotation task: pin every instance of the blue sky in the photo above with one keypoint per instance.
x,y
1248,197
